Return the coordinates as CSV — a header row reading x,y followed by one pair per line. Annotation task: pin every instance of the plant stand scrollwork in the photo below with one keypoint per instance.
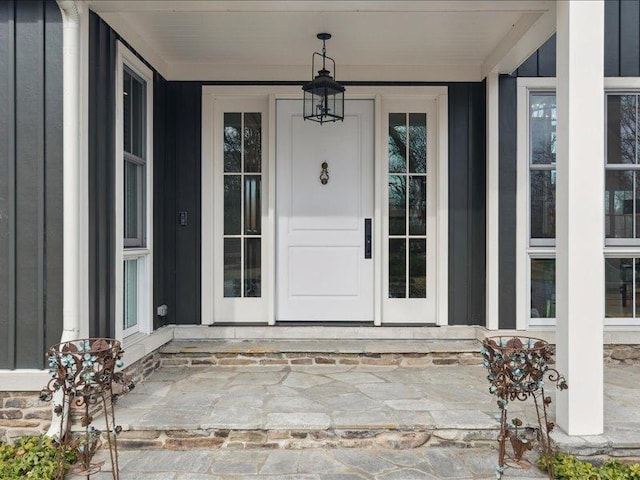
x,y
84,371
517,368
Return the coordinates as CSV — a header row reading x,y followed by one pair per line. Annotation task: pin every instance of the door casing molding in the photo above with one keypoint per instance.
x,y
212,93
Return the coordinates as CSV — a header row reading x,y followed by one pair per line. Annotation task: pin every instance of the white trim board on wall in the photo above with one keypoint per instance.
x,y
213,94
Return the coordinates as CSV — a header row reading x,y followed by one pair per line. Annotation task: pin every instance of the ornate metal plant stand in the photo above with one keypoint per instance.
x,y
517,369
84,371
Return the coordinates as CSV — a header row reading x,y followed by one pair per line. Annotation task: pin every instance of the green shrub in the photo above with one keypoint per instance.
x,y
568,467
35,458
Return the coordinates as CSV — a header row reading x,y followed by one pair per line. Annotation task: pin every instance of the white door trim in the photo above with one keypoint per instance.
x,y
273,93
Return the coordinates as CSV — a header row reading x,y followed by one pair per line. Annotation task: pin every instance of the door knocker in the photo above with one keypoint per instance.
x,y
324,174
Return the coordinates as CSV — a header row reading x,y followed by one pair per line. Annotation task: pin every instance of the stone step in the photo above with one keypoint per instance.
x,y
321,352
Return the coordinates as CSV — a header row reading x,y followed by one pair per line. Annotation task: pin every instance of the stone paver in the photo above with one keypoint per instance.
x,y
314,464
318,397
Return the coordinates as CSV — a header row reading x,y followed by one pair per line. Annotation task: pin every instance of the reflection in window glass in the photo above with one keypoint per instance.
x,y
543,288
542,125
619,287
242,209
622,120
130,294
543,203
619,203
397,268
131,201
397,142
407,205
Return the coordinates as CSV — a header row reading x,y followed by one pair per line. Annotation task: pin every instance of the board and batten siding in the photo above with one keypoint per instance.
x,y
621,59
30,181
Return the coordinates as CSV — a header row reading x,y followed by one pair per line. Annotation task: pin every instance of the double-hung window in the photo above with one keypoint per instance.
x,y
622,208
133,195
536,203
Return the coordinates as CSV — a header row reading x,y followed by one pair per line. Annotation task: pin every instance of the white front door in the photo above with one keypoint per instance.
x,y
325,265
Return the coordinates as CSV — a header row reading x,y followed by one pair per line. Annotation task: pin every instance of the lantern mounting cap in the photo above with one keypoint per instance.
x,y
323,36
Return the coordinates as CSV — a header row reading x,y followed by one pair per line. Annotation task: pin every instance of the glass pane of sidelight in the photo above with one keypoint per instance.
x,y
619,203
130,294
417,268
131,200
418,142
543,204
232,267
252,142
543,288
252,199
232,142
622,128
138,117
232,207
397,142
542,125
417,205
252,264
618,274
397,268
397,205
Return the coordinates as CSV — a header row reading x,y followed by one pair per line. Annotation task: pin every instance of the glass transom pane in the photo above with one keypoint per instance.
x,y
134,114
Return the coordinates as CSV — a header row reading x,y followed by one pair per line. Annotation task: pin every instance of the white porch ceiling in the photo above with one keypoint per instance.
x,y
372,40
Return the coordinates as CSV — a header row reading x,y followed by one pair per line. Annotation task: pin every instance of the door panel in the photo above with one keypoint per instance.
x,y
322,272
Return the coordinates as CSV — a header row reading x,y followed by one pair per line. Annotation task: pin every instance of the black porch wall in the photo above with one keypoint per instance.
x,y
621,59
30,181
467,188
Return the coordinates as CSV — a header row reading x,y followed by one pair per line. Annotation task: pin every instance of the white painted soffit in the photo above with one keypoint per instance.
x,y
372,40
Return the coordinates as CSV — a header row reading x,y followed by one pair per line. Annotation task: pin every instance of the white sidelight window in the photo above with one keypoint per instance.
x,y
410,220
622,207
134,203
536,198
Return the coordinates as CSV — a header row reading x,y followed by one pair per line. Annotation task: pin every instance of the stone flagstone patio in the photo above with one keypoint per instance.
x,y
345,406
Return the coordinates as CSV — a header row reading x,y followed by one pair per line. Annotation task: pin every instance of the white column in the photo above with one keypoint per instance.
x,y
493,212
580,214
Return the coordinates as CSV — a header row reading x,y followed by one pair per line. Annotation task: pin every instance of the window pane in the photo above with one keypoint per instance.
x,y
543,203
621,128
397,142
232,142
542,125
619,204
252,142
417,205
232,207
232,267
543,288
131,200
252,271
126,110
397,268
618,287
418,142
137,118
252,200
397,205
130,294
417,268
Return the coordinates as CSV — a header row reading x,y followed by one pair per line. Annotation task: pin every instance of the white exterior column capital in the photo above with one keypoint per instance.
x,y
580,214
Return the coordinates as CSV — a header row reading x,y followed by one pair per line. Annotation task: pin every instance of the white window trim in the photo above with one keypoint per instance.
x,y
379,94
524,249
145,285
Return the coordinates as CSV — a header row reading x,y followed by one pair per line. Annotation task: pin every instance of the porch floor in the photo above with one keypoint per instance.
x,y
299,406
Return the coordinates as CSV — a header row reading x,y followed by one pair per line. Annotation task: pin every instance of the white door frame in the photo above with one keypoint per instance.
x,y
271,94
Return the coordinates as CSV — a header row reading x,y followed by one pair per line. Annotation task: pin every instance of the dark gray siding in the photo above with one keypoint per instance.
x,y
30,181
102,61
507,201
621,59
467,186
